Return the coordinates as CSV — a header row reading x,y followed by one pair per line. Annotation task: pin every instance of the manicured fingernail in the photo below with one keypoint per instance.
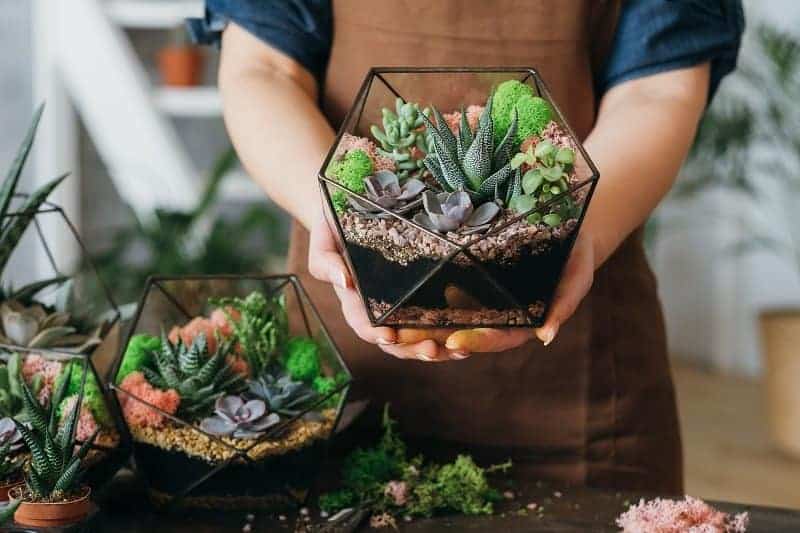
x,y
546,335
459,355
423,357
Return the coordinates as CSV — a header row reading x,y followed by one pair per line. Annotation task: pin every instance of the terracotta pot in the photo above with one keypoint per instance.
x,y
51,514
181,65
780,334
5,488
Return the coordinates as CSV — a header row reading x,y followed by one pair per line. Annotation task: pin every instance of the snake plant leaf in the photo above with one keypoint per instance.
x,y
12,177
503,152
478,159
465,136
448,139
15,228
451,170
67,477
497,179
515,187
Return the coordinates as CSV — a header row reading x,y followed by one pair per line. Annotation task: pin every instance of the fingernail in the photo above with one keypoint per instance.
x,y
459,355
342,279
381,340
547,334
423,357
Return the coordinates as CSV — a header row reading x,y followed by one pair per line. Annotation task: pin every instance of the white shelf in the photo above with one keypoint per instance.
x,y
189,101
153,14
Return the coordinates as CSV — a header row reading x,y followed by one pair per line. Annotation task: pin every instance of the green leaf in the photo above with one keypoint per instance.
x,y
9,186
552,219
553,174
544,150
565,156
532,180
534,218
522,204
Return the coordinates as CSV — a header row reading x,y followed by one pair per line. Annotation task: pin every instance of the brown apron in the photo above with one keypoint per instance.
x,y
597,406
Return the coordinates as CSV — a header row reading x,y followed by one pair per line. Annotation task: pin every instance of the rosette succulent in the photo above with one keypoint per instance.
x,y
9,435
282,394
472,161
384,189
240,419
402,131
454,211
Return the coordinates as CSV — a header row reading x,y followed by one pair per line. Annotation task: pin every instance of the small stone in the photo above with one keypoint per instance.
x,y
407,518
323,514
532,506
250,517
282,517
304,511
508,495
247,528
557,494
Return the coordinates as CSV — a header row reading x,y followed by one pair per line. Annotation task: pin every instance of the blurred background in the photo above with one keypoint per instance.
x,y
132,110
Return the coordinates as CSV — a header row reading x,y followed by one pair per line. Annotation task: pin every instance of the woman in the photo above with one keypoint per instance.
x,y
593,401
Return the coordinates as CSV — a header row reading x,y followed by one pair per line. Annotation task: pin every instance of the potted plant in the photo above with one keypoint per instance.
x,y
229,401
465,187
10,463
180,63
47,329
53,493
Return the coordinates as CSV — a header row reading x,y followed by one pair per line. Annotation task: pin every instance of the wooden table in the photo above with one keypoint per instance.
x,y
562,510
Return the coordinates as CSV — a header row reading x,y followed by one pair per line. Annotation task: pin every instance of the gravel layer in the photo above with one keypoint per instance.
x,y
463,317
274,502
194,443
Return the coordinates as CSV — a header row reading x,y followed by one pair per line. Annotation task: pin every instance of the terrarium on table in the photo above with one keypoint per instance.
x,y
50,327
231,389
456,195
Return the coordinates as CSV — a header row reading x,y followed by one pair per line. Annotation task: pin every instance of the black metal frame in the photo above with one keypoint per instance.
x,y
118,455
333,220
237,454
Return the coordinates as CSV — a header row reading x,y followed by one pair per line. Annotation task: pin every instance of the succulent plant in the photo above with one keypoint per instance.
x,y
55,465
11,387
547,179
384,189
240,419
281,393
454,211
9,435
469,161
199,378
261,327
402,131
10,466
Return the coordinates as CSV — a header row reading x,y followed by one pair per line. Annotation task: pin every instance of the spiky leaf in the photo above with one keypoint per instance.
x,y
448,139
67,477
496,180
477,162
448,163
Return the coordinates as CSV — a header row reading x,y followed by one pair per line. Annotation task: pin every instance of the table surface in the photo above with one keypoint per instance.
x,y
562,510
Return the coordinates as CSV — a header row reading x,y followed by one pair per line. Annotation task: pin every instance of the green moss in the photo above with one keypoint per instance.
x,y
302,359
138,354
503,103
333,501
351,170
93,396
339,201
534,114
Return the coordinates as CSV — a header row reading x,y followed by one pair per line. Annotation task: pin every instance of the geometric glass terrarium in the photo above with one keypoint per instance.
x,y
57,324
456,195
230,387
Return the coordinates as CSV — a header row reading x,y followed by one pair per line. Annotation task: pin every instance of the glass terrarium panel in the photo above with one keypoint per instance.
x,y
428,208
233,404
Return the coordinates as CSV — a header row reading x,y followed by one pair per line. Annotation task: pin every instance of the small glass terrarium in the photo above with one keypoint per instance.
x,y
230,388
456,195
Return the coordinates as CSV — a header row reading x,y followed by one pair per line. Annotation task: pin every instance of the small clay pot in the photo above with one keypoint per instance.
x,y
51,514
181,65
6,488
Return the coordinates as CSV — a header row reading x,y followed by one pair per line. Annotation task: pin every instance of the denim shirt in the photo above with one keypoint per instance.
x,y
652,36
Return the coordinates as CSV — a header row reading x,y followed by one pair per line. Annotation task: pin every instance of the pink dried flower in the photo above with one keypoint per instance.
x,y
690,515
219,319
87,425
397,491
192,329
473,116
34,365
351,142
138,413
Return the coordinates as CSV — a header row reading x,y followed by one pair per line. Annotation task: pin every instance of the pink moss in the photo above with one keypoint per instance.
x,y
239,365
351,142
34,365
192,329
219,319
473,116
690,515
86,422
139,414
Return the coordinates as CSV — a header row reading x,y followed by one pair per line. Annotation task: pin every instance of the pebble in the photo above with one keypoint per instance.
x,y
250,517
508,495
304,511
247,528
407,518
531,506
282,517
323,514
557,494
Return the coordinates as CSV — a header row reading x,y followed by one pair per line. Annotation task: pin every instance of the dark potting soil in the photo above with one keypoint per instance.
x,y
530,280
171,472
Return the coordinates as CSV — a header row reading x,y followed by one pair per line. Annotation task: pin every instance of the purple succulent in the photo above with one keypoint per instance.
x,y
454,211
384,189
235,417
9,434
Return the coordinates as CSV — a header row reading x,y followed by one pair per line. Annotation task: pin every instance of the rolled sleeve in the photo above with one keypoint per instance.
x,y
655,36
301,29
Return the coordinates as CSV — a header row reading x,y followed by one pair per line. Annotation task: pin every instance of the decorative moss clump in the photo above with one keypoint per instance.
x,y
138,354
302,359
533,112
92,392
350,171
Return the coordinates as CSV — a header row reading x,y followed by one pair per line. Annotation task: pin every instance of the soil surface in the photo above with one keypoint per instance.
x,y
422,316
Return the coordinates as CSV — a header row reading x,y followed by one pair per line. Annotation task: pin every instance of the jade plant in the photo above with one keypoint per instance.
x,y
385,480
54,469
403,132
199,377
547,179
472,161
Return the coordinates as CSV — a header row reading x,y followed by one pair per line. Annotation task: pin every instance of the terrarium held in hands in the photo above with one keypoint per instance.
x,y
457,195
231,388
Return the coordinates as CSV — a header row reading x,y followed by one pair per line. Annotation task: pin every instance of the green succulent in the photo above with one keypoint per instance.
x,y
302,359
10,466
469,161
546,180
261,327
516,99
198,377
11,386
281,393
402,131
54,470
138,354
